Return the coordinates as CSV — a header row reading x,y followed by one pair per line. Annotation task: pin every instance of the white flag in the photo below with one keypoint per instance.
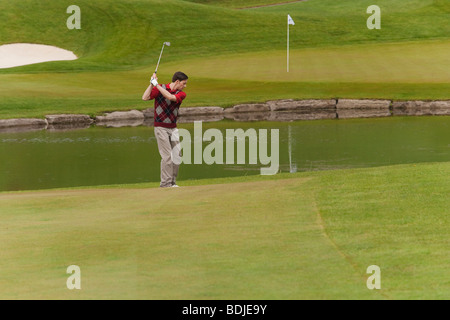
x,y
290,21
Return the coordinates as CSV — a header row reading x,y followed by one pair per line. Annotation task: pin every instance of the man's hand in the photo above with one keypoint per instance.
x,y
148,91
154,77
154,82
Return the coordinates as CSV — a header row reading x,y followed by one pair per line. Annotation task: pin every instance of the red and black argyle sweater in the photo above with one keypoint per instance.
x,y
166,111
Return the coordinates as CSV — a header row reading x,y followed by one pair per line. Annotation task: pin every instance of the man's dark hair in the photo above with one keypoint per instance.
x,y
179,76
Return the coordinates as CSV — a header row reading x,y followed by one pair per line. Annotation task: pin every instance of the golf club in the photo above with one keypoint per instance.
x,y
164,44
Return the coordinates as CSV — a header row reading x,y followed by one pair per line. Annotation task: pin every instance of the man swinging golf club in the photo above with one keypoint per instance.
x,y
168,98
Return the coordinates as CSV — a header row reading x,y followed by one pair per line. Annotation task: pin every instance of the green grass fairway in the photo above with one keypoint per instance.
x,y
403,62
233,56
302,236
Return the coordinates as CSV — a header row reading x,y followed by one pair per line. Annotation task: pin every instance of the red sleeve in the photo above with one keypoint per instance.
x,y
154,93
180,96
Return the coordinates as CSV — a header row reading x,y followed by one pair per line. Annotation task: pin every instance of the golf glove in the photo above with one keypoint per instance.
x,y
154,82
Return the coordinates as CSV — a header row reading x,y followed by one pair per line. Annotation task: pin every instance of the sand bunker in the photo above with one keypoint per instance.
x,y
21,54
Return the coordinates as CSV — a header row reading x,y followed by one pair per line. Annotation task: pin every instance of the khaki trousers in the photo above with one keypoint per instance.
x,y
169,146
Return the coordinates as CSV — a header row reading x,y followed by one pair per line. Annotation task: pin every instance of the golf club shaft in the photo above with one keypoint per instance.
x,y
160,57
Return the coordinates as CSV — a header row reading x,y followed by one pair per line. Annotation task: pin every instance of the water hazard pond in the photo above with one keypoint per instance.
x,y
98,155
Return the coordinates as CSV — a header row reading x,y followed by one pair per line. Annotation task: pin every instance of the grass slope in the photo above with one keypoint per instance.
x,y
120,42
129,33
302,236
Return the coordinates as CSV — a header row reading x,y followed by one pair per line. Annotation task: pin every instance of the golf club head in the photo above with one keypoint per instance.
x,y
167,44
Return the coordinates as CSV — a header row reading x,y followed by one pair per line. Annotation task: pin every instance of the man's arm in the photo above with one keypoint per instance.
x,y
148,91
166,94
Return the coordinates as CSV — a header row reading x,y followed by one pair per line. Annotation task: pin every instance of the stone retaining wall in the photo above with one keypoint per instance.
x,y
277,110
421,108
9,123
68,121
346,108
133,118
16,125
61,119
302,105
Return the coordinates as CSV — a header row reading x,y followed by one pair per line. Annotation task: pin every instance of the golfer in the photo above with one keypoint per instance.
x,y
168,98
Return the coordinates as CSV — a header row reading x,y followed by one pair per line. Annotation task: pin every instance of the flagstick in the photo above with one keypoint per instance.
x,y
289,21
288,46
